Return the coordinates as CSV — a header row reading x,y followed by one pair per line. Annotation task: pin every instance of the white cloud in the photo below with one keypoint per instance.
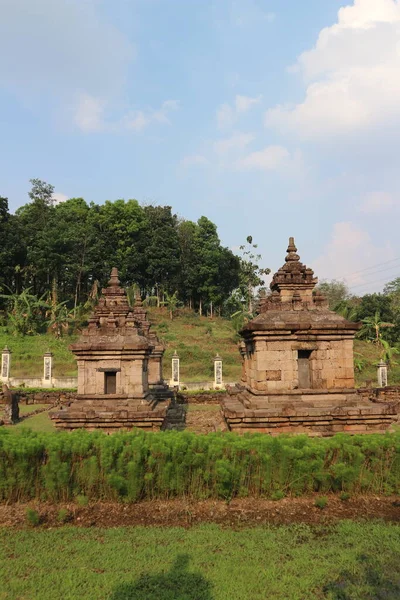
x,y
238,141
349,251
244,13
194,160
90,116
352,74
58,197
136,121
89,113
60,49
244,103
227,115
378,203
73,62
268,159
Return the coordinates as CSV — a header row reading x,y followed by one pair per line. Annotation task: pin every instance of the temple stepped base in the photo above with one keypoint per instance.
x,y
110,415
301,413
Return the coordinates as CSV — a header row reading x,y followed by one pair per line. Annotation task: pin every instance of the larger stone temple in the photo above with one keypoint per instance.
x,y
120,381
297,365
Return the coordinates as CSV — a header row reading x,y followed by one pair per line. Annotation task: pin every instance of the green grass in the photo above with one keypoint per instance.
x,y
196,339
27,354
370,355
40,423
351,561
26,409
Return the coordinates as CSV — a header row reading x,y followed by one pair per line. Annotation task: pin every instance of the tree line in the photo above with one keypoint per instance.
x,y
379,313
62,254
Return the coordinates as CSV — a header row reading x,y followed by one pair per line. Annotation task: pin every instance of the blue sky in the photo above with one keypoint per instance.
x,y
271,117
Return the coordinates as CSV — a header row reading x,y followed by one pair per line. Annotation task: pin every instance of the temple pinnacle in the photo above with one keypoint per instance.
x,y
114,281
292,256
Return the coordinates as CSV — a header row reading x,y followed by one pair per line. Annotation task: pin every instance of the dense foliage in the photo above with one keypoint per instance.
x,y
379,315
61,254
133,466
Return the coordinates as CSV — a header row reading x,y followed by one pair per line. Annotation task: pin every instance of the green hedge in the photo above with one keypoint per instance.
x,y
138,465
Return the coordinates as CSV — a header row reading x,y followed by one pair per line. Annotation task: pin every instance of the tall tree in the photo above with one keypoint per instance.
x,y
379,304
12,249
335,291
36,220
251,274
161,249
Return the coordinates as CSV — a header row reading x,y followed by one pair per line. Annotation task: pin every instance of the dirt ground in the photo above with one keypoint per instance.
x,y
184,513
203,418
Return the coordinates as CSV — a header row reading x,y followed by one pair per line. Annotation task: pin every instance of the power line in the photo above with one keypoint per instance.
x,y
372,267
369,283
382,270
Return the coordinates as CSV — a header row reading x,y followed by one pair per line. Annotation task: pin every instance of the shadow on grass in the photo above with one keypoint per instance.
x,y
366,582
176,584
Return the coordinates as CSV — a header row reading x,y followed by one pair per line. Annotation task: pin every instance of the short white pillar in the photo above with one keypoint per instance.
x,y
382,374
175,370
5,364
48,369
218,372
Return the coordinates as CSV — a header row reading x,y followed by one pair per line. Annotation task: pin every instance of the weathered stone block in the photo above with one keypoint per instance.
x,y
273,375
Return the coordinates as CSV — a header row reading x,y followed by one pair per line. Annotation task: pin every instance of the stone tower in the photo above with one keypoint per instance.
x,y
298,370
296,342
119,363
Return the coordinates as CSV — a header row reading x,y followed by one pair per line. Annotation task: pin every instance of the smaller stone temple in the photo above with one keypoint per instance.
x,y
120,382
297,365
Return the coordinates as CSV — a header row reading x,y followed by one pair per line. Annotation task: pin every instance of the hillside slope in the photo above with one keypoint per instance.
x,y
196,339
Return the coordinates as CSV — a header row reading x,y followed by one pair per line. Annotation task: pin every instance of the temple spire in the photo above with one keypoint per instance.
x,y
114,281
293,277
292,250
138,297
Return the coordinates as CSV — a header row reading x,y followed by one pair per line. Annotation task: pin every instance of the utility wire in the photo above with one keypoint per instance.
x,y
382,270
370,283
372,267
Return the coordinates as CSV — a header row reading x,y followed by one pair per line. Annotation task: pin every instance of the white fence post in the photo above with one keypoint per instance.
x,y
382,374
175,370
5,364
48,369
218,372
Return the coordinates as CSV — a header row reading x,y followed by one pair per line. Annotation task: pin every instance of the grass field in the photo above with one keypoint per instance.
x,y
196,339
349,561
39,422
28,350
27,409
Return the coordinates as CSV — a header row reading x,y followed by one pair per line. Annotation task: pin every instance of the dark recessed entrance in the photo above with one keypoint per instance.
x,y
304,369
110,383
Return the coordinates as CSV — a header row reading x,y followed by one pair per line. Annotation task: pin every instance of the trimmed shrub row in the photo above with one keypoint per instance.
x,y
134,466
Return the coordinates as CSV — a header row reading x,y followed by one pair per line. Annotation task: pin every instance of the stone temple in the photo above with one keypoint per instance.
x,y
297,365
120,382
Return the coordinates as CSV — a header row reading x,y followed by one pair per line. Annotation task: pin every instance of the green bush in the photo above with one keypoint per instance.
x,y
344,496
32,516
277,495
321,502
63,515
82,500
130,466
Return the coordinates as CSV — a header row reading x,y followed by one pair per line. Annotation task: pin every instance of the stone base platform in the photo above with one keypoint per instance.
x,y
111,413
319,413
